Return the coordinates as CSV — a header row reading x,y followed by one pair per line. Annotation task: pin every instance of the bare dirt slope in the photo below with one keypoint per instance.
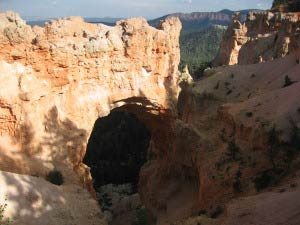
x,y
222,147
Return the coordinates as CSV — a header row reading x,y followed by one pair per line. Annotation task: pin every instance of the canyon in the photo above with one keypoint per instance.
x,y
222,150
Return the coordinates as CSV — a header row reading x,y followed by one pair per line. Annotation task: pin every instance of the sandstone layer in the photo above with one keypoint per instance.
x,y
264,36
57,80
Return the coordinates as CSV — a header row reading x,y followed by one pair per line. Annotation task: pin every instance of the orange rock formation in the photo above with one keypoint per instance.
x,y
264,36
57,80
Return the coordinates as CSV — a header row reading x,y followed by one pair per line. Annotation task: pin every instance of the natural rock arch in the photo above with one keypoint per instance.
x,y
73,73
150,123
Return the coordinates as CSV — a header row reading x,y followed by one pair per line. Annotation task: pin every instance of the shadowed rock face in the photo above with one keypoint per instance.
x,y
117,149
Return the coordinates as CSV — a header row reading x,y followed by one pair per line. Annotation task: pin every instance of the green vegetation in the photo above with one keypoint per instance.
x,y
293,147
266,179
281,155
217,212
4,221
287,81
295,136
199,48
55,177
142,216
276,3
233,150
237,184
293,6
274,145
283,150
249,114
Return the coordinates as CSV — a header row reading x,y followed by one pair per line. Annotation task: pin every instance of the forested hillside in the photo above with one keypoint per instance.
x,y
292,5
201,36
199,48
276,3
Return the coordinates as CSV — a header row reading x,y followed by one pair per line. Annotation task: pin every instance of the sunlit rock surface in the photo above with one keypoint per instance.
x,y
34,201
57,80
263,37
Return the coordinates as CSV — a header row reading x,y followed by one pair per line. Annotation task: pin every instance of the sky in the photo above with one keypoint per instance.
x,y
123,8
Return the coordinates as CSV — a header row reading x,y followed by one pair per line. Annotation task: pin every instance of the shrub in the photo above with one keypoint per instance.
x,y
295,6
229,91
287,81
4,221
249,114
295,136
55,177
267,178
217,85
226,83
233,150
142,216
202,212
276,3
293,146
237,185
218,211
207,96
273,141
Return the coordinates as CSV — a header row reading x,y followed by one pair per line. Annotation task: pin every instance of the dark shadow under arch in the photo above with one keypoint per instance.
x,y
117,149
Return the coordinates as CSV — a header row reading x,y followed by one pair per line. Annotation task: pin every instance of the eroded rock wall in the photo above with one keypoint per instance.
x,y
57,80
264,36
221,148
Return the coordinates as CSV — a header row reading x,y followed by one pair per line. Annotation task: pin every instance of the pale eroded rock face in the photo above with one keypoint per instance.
x,y
34,201
57,80
263,37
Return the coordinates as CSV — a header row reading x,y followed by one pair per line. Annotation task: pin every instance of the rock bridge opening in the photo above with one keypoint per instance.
x,y
136,131
117,148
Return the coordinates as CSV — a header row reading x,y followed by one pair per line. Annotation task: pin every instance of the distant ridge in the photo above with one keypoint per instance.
x,y
196,21
190,21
